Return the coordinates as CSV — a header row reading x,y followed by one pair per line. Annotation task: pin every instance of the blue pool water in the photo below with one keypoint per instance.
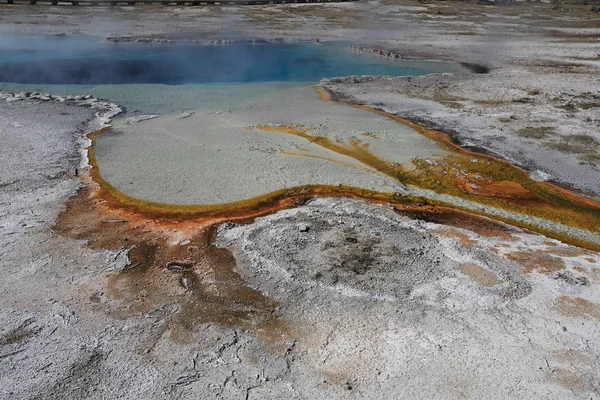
x,y
81,61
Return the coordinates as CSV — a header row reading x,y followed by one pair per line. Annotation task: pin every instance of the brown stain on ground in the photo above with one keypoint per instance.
x,y
577,382
209,290
25,331
501,189
577,307
464,239
460,219
548,260
537,260
564,251
573,357
480,275
576,369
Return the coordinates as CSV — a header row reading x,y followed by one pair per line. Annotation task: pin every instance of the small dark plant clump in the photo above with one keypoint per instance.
x,y
578,144
539,132
590,157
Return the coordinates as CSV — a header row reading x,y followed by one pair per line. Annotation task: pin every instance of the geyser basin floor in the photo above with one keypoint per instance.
x,y
288,137
70,310
320,143
217,155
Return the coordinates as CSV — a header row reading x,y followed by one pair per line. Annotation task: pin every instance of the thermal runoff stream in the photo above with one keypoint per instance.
x,y
234,125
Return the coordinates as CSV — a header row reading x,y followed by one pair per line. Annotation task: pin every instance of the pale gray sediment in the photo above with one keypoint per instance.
x,y
65,110
351,247
218,155
343,256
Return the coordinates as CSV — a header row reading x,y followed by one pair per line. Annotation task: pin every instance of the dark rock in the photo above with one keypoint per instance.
x,y
179,266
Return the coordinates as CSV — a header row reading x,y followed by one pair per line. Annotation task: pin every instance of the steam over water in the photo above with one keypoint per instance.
x,y
88,62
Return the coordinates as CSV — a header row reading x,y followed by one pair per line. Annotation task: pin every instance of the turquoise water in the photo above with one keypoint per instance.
x,y
84,61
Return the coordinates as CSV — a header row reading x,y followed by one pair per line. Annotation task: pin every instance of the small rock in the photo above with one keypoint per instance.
x,y
185,282
141,118
179,266
186,115
303,228
228,225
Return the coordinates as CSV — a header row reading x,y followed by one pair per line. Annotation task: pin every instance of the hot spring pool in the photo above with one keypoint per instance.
x,y
204,144
84,61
